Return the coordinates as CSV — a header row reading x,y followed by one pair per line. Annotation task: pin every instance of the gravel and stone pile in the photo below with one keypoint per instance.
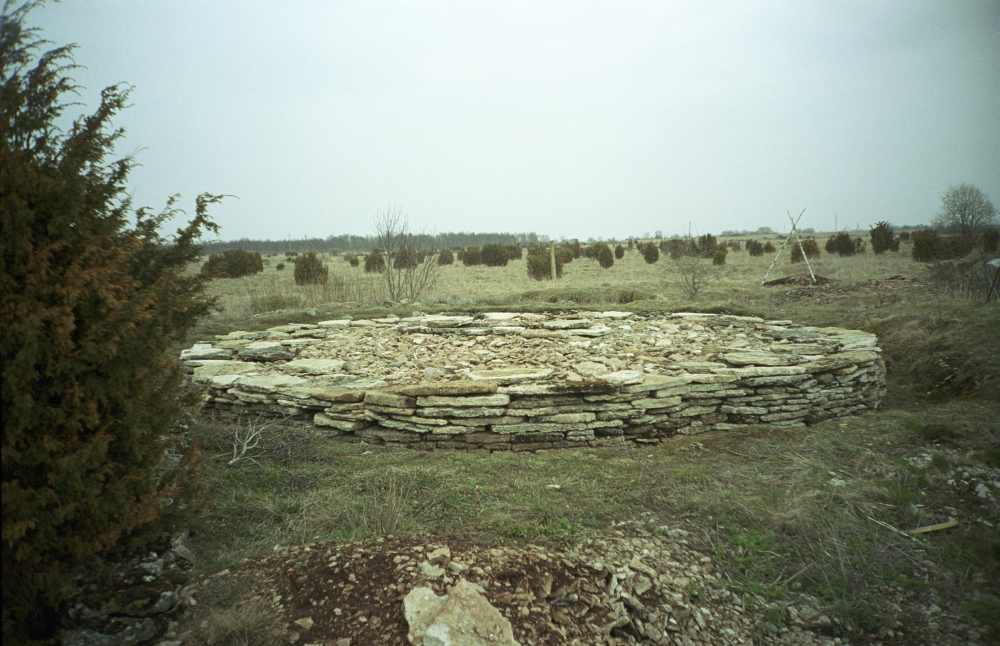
x,y
628,586
512,381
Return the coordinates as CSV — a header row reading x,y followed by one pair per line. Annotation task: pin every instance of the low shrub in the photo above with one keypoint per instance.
x,y
966,278
991,240
769,247
540,263
619,252
841,244
446,257
677,247
706,245
280,266
605,257
352,260
719,257
650,253
925,245
310,270
694,274
809,246
495,255
233,264
754,248
374,262
883,238
472,256
929,246
406,258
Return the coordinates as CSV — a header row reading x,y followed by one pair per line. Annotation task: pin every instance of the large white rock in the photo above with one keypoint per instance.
x,y
463,617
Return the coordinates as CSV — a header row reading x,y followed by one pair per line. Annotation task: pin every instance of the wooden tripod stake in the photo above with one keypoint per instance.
x,y
798,239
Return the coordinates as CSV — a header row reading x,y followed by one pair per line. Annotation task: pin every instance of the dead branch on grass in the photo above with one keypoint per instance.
x,y
248,439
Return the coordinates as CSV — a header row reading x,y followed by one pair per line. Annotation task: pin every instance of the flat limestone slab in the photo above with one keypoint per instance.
x,y
208,369
759,359
448,388
205,351
506,376
462,401
314,366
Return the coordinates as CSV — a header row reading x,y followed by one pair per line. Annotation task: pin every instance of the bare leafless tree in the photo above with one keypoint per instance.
x,y
966,208
694,273
410,271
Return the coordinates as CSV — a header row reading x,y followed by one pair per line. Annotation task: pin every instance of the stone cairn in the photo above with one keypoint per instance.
x,y
513,381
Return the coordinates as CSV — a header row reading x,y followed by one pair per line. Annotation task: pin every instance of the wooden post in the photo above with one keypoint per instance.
x,y
788,240
552,260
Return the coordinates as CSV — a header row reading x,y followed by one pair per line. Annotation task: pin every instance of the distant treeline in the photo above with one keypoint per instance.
x,y
341,243
461,240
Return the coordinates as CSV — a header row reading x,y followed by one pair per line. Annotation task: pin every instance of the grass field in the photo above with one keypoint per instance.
x,y
584,282
818,511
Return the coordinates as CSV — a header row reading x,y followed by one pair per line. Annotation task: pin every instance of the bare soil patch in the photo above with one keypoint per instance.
x,y
631,585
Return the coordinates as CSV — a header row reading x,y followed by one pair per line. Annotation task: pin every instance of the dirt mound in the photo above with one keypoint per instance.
x,y
799,279
645,587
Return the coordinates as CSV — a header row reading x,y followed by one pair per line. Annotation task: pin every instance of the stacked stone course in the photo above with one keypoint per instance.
x,y
616,377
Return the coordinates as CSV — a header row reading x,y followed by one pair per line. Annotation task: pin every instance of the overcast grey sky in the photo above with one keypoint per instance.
x,y
576,119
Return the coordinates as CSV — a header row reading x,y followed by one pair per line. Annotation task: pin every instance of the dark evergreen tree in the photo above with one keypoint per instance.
x,y
233,263
93,304
605,257
650,253
374,262
310,269
539,263
883,238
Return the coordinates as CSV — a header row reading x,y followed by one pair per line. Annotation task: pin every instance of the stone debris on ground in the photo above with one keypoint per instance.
x,y
135,602
511,381
632,585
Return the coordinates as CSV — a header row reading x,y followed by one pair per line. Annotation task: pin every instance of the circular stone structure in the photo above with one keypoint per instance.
x,y
525,381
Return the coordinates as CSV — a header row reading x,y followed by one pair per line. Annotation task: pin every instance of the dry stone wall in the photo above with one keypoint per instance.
x,y
516,381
